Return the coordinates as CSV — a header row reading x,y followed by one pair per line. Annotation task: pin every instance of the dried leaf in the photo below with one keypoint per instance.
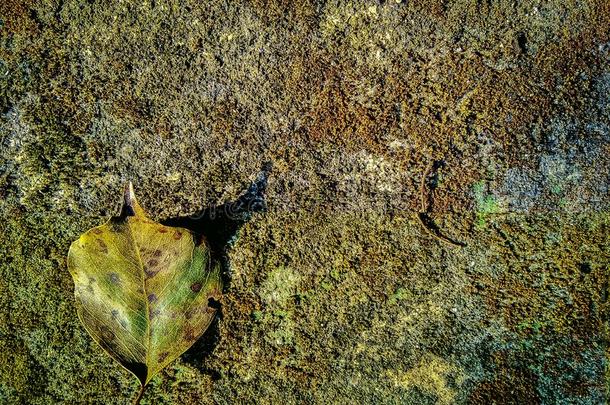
x,y
143,290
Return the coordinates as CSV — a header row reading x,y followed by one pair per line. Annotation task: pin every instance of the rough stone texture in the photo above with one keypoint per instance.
x,y
492,118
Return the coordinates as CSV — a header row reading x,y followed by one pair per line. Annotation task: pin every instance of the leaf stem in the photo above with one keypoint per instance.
x,y
140,395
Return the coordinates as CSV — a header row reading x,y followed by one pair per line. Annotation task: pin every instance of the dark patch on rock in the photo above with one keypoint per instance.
x,y
522,42
139,369
584,267
213,303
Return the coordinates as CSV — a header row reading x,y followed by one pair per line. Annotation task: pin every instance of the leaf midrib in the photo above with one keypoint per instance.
x,y
145,294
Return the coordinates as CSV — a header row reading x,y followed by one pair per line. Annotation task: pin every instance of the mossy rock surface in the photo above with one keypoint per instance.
x,y
438,210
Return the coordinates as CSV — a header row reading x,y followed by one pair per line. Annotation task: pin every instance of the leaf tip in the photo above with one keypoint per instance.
x,y
129,195
130,203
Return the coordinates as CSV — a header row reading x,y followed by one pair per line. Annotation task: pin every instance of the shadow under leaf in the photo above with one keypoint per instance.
x,y
220,226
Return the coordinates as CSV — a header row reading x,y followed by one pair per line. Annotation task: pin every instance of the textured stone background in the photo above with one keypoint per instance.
x,y
491,117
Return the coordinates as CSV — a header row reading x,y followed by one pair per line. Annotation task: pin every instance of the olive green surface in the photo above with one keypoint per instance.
x,y
438,209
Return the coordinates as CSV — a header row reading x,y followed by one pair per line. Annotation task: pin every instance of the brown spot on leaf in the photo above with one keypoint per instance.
x,y
177,235
97,231
190,313
114,278
163,230
152,297
189,335
102,245
162,357
115,313
106,333
150,269
150,273
157,253
196,287
153,313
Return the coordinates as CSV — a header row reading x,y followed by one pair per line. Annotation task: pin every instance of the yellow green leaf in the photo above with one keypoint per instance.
x,y
143,290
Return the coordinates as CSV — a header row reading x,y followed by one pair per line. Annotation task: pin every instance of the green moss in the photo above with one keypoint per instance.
x,y
487,204
399,295
431,376
326,285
